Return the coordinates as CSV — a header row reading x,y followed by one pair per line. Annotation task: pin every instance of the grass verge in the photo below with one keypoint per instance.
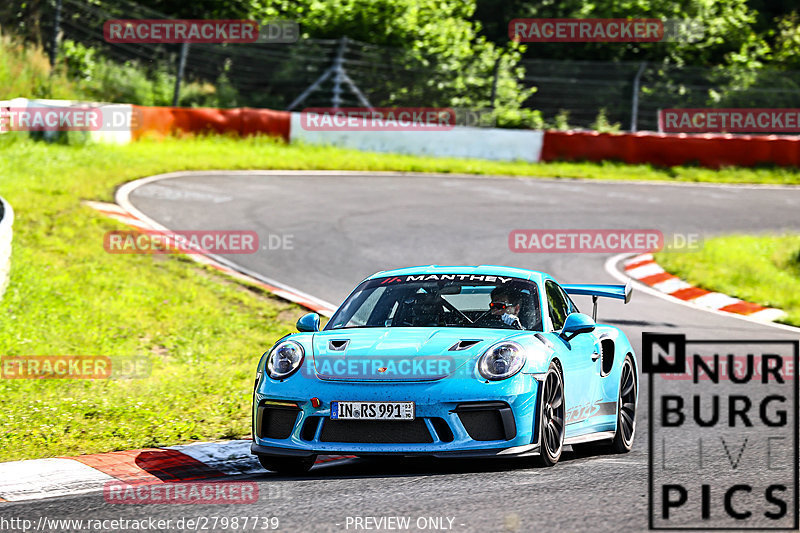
x,y
203,333
762,269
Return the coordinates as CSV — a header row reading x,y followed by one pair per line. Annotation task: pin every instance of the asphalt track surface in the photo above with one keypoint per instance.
x,y
345,227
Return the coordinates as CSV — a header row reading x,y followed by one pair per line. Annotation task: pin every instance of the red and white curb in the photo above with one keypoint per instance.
x,y
644,269
61,476
278,289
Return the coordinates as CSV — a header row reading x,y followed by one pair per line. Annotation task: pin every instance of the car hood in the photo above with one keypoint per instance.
x,y
399,354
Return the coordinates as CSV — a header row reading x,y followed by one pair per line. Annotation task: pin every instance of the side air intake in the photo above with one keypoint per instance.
x,y
338,345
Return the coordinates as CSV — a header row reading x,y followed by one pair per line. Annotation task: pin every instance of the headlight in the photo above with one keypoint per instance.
x,y
284,359
501,361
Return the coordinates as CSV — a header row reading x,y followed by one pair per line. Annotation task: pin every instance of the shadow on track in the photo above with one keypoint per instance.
x,y
388,466
640,323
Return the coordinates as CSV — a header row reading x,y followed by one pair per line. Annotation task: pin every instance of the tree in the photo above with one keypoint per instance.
x,y
728,28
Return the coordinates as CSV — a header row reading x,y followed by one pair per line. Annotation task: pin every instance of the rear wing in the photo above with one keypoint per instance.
x,y
619,292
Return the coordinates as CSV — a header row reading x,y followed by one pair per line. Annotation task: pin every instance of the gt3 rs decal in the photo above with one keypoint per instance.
x,y
586,411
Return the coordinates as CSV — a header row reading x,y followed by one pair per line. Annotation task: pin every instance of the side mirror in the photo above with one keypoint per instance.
x,y
309,322
577,323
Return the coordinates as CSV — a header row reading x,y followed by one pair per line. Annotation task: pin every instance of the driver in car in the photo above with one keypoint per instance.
x,y
504,306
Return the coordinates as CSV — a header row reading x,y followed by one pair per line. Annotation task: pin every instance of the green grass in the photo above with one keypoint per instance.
x,y
203,333
762,269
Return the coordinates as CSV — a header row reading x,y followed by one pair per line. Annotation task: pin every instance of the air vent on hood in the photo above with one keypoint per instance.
x,y
463,344
338,345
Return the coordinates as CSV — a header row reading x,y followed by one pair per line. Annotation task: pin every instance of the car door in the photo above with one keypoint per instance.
x,y
581,366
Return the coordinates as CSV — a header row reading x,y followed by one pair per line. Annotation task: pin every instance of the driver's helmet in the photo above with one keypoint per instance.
x,y
504,297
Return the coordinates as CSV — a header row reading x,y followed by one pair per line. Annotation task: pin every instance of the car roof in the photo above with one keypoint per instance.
x,y
486,270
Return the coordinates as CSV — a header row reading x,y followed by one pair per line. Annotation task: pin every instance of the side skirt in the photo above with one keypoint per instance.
x,y
590,437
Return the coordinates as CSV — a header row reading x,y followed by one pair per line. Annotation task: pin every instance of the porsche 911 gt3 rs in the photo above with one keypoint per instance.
x,y
448,362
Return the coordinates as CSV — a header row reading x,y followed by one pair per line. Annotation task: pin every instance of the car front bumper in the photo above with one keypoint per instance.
x,y
453,418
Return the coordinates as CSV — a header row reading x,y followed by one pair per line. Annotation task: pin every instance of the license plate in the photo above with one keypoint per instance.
x,y
372,410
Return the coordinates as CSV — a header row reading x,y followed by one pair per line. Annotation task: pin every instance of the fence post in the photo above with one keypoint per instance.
x,y
338,77
495,74
56,36
179,77
635,102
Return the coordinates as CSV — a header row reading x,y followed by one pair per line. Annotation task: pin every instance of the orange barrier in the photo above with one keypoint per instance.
x,y
664,149
243,121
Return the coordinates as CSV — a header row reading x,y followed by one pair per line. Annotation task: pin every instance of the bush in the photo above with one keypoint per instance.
x,y
132,83
520,118
25,72
602,124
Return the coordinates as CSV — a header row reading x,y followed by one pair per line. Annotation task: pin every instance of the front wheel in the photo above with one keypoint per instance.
x,y
551,417
287,465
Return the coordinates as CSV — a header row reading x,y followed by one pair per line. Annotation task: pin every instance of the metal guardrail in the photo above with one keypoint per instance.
x,y
6,221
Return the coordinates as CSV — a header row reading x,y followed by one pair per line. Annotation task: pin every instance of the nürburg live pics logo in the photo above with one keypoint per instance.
x,y
723,432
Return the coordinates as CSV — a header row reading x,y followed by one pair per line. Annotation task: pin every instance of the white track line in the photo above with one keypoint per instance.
x,y
122,198
390,174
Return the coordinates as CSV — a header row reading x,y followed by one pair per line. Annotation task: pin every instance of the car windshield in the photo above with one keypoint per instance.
x,y
442,300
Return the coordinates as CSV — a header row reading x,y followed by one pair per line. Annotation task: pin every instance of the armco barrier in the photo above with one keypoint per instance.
x,y
461,142
243,121
6,221
665,149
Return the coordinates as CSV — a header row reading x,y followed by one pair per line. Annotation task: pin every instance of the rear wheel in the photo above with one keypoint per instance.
x,y
626,409
287,465
551,417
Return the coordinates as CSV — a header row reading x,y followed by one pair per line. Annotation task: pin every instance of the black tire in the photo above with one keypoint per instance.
x,y
626,409
626,417
287,465
551,418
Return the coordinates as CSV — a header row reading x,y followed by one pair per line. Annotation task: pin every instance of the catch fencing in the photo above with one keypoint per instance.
x,y
342,72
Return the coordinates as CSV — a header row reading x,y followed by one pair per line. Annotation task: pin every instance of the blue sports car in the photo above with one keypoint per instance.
x,y
448,362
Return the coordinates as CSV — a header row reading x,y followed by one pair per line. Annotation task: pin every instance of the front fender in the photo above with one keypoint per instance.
x,y
540,352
